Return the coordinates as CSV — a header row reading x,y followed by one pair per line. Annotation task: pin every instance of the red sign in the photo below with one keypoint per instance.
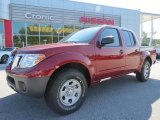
x,y
98,21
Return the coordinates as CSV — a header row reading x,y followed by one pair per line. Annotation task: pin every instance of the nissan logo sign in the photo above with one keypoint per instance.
x,y
38,17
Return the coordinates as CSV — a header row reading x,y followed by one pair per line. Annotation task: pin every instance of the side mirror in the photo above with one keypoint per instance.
x,y
106,40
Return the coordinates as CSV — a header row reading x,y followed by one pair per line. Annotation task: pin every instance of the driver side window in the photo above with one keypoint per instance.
x,y
111,32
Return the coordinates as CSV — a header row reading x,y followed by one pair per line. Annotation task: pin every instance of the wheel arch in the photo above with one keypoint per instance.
x,y
145,55
82,68
148,58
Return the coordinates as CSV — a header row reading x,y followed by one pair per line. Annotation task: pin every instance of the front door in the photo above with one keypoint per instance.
x,y
110,59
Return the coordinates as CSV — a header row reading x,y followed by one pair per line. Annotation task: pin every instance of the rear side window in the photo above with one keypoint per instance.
x,y
132,38
128,38
111,32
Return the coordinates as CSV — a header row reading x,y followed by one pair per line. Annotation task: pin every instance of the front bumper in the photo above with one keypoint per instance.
x,y
34,87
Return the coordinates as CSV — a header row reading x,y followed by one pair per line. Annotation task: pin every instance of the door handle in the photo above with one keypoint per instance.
x,y
121,51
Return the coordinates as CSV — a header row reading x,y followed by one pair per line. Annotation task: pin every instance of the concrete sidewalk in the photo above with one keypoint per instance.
x,y
123,98
2,66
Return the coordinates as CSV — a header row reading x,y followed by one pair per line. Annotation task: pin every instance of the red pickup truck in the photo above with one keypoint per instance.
x,y
62,72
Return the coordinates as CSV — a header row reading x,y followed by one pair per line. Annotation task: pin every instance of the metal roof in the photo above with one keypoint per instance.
x,y
145,17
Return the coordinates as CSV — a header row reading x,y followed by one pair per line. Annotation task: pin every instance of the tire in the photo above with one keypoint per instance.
x,y
4,59
143,76
67,91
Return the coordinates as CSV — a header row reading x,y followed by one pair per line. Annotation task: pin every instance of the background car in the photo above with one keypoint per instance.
x,y
158,53
5,53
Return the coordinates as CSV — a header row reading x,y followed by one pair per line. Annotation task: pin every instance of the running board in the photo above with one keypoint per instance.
x,y
102,80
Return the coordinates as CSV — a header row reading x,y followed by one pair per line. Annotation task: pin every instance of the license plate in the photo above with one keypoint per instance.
x,y
15,62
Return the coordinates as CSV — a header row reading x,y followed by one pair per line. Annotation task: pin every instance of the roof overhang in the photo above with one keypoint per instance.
x,y
145,17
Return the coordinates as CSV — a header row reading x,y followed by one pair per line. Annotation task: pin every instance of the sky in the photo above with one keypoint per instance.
x,y
149,6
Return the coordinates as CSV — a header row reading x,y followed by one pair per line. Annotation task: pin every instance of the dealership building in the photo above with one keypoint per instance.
x,y
34,22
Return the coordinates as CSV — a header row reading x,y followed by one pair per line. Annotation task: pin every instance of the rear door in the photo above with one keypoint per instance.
x,y
132,51
110,60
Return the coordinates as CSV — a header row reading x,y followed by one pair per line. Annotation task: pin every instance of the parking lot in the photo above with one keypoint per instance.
x,y
121,99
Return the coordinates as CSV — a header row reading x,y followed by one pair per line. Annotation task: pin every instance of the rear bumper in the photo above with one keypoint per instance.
x,y
34,87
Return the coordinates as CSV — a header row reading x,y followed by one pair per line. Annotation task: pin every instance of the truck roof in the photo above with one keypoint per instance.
x,y
117,27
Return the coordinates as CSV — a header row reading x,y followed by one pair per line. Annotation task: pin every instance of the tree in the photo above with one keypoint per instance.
x,y
145,39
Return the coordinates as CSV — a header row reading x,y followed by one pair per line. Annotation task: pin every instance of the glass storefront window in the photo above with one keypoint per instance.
x,y
32,29
32,33
55,39
19,40
68,29
45,39
19,28
77,28
1,35
1,28
45,29
32,40
58,29
60,38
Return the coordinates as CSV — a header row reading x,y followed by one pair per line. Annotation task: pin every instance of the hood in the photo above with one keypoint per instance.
x,y
48,49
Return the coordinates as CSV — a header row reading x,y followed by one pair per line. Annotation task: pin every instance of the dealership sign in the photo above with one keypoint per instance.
x,y
99,21
38,16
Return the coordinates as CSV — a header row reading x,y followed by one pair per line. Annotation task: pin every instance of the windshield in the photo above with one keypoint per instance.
x,y
82,36
7,49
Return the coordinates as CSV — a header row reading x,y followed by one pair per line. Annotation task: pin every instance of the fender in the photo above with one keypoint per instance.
x,y
51,64
143,56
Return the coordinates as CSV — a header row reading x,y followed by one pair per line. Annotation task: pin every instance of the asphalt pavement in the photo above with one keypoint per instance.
x,y
120,99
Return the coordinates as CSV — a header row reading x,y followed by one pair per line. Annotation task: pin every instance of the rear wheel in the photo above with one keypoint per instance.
x,y
4,59
67,91
145,72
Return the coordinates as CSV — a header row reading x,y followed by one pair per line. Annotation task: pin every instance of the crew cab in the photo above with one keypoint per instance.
x,y
62,72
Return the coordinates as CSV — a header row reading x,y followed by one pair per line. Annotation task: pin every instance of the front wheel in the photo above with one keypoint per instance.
x,y
66,91
145,72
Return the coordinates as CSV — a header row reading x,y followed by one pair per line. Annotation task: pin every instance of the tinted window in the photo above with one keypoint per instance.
x,y
126,38
19,28
132,38
111,32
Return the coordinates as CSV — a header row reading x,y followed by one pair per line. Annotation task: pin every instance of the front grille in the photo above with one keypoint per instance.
x,y
16,61
10,80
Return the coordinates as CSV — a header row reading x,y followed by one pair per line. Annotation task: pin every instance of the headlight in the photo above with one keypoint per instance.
x,y
27,60
30,60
